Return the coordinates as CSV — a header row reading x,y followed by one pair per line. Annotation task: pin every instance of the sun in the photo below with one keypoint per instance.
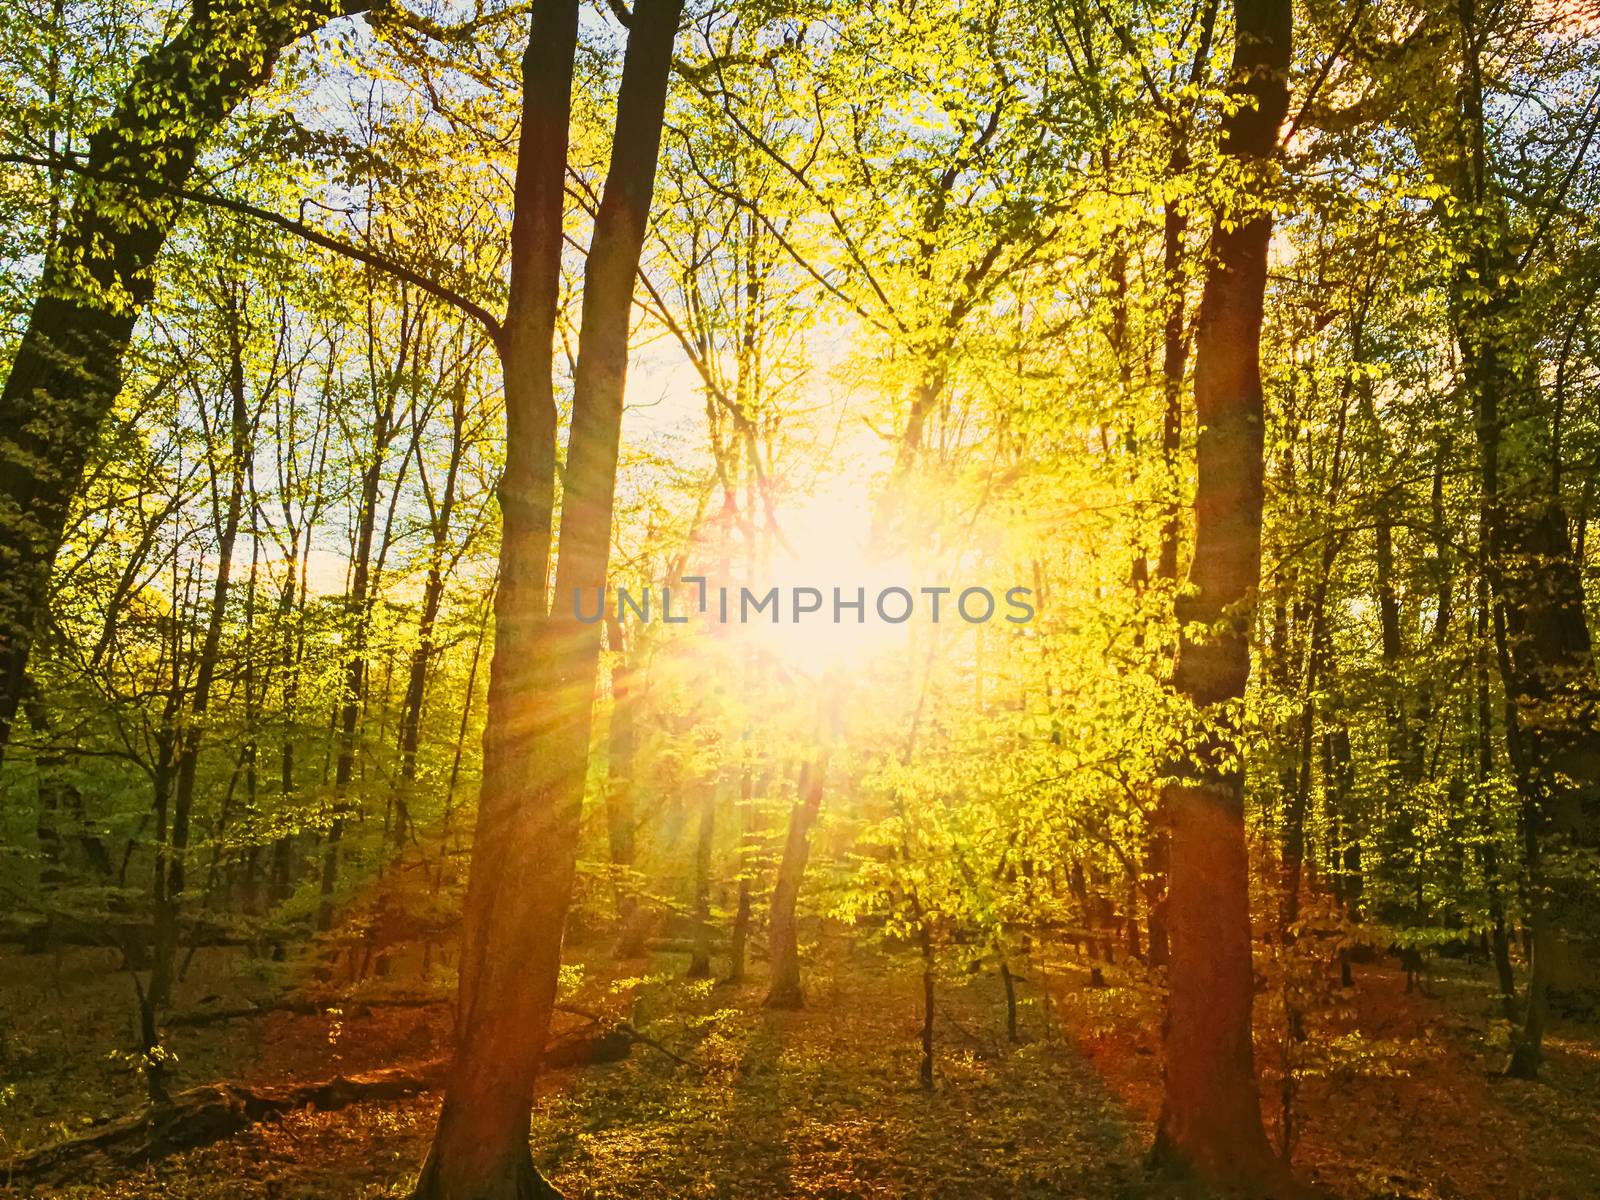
x,y
829,584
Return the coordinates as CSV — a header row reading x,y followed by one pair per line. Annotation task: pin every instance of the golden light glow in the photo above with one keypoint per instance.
x,y
825,547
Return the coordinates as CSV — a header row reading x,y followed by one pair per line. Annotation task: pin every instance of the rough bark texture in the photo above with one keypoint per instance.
x,y
68,366
1210,1122
1174,364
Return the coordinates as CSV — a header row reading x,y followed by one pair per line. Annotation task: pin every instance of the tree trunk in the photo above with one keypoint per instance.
x,y
542,678
783,931
512,923
1210,1122
368,557
700,958
432,597
1317,654
173,847
358,610
1174,358
1543,641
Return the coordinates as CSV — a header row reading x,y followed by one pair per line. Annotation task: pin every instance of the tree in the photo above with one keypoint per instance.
x,y
542,677
1211,1113
99,276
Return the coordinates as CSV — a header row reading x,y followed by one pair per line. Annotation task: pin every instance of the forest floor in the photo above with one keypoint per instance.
x,y
818,1103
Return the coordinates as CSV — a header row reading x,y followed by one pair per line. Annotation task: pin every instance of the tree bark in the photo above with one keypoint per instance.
x,y
513,922
357,610
1174,358
542,678
1210,1123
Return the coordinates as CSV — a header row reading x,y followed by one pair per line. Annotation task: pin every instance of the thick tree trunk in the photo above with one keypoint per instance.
x,y
1174,356
783,930
542,678
1174,361
99,276
1210,1122
513,922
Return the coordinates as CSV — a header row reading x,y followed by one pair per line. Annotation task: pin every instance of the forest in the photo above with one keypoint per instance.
x,y
799,598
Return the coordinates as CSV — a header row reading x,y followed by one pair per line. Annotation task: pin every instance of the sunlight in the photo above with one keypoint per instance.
x,y
824,548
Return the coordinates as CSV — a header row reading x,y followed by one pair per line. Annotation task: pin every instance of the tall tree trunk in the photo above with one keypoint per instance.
x,y
1211,1113
98,277
542,679
291,625
1343,839
480,1147
357,612
1174,359
1499,943
251,752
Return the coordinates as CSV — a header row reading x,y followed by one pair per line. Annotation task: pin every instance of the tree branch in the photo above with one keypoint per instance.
x,y
305,232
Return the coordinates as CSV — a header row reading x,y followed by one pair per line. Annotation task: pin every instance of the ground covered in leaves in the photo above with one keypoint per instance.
x,y
751,1103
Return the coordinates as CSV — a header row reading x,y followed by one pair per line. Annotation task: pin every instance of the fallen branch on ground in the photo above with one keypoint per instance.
x,y
203,1115
207,1114
305,1006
